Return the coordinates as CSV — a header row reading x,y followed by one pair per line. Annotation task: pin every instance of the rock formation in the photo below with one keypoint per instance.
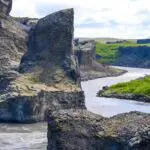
x,y
79,129
85,51
13,44
5,6
134,57
82,130
49,73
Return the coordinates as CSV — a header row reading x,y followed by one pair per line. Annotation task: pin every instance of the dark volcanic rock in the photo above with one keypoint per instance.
x,y
13,44
5,6
85,51
50,47
49,73
82,130
134,57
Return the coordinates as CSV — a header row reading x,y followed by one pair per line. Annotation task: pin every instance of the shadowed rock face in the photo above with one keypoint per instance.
x,y
5,6
134,57
49,73
82,130
51,48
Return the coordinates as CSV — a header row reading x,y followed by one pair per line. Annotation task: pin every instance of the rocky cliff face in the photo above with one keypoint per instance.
x,y
49,75
85,51
75,128
13,44
134,57
80,130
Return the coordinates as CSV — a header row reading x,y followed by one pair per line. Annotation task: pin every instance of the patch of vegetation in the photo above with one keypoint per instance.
x,y
109,53
136,87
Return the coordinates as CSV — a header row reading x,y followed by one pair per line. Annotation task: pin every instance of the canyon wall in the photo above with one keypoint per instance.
x,y
134,57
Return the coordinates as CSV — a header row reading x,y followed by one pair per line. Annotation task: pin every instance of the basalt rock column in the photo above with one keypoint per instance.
x,y
49,76
51,49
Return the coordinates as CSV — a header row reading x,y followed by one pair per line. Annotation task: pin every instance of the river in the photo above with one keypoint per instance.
x,y
112,106
34,136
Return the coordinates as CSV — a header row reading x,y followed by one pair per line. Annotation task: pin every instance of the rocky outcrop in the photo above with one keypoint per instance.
x,y
80,130
85,51
5,6
49,75
134,57
13,44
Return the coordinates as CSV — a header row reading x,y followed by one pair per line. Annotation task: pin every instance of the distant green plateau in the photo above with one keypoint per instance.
x,y
109,53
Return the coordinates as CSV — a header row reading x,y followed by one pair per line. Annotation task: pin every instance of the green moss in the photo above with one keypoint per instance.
x,y
136,87
109,53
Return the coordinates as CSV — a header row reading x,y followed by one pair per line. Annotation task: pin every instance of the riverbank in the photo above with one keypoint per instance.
x,y
101,72
138,90
109,107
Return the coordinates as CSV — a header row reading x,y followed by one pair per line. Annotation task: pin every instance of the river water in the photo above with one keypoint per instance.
x,y
111,106
34,136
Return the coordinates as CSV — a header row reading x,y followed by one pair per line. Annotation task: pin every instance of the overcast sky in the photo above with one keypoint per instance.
x,y
95,18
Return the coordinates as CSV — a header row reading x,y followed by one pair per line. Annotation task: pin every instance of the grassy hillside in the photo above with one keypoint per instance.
x,y
108,53
136,87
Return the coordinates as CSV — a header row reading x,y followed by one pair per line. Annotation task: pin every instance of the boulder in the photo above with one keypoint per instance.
x,y
85,52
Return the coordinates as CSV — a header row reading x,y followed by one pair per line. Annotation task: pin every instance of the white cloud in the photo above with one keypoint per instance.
x,y
129,15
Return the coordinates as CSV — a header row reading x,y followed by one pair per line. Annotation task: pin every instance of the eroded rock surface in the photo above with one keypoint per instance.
x,y
49,73
13,44
80,130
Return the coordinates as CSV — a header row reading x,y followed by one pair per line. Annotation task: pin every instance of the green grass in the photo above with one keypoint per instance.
x,y
109,53
135,87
